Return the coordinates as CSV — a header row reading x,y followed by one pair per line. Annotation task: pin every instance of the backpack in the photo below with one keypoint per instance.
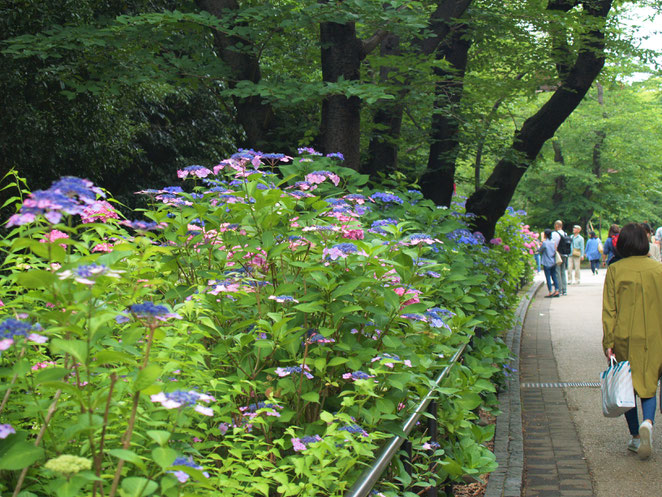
x,y
565,244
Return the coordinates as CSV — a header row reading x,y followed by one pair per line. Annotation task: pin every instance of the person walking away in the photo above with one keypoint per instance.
x,y
609,250
562,268
593,254
658,236
536,251
548,261
654,252
632,327
576,256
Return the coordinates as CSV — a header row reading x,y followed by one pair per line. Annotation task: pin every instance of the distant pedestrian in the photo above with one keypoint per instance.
x,y
536,250
654,252
593,254
658,236
609,250
548,261
576,256
632,326
561,269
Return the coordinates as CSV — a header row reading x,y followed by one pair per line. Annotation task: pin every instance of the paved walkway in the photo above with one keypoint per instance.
x,y
552,439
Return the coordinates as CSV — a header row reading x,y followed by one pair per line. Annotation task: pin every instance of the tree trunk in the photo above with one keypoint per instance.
x,y
489,203
437,183
387,121
596,162
341,118
559,180
253,114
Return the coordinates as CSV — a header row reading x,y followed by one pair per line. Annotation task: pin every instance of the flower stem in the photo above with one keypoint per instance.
x,y
49,415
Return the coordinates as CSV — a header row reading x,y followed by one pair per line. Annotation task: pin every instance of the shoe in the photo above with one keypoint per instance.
x,y
557,294
633,444
646,445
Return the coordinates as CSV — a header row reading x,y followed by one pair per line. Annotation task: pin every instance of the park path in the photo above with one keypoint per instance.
x,y
569,448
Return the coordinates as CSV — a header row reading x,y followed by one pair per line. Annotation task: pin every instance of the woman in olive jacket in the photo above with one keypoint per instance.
x,y
632,326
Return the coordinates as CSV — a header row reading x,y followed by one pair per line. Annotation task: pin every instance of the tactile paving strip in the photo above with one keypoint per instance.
x,y
562,384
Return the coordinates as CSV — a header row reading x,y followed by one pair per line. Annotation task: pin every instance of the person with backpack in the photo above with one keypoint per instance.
x,y
609,253
563,245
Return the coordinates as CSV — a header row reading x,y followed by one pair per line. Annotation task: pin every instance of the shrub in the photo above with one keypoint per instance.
x,y
261,332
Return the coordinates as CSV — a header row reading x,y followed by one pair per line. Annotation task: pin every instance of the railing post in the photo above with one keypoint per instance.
x,y
406,461
433,431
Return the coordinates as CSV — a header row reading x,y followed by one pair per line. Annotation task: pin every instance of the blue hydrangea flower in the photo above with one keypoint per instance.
x,y
386,198
185,461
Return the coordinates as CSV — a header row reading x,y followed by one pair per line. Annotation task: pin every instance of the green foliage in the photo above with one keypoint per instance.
x,y
198,352
618,185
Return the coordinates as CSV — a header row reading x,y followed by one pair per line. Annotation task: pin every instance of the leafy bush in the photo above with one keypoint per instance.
x,y
260,333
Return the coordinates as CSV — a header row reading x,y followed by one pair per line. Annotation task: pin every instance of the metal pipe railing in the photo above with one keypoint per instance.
x,y
370,476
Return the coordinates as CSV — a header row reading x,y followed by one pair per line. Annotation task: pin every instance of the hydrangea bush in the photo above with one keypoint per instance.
x,y
259,330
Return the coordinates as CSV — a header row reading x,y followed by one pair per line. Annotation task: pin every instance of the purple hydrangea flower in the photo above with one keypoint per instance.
x,y
301,444
6,430
283,298
69,195
12,328
357,375
354,429
181,398
185,461
269,408
340,250
391,358
308,151
437,316
282,372
149,310
195,171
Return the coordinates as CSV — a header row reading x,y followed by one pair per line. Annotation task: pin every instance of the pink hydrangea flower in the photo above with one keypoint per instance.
x,y
100,210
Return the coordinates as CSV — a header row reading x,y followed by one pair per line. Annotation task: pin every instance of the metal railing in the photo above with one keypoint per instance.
x,y
371,476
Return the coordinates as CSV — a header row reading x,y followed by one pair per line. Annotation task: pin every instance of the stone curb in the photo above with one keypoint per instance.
x,y
506,480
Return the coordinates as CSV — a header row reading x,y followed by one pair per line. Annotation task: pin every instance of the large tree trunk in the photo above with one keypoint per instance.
x,y
387,121
341,117
437,183
490,202
253,114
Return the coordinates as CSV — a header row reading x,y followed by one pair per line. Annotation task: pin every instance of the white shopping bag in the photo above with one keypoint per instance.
x,y
617,391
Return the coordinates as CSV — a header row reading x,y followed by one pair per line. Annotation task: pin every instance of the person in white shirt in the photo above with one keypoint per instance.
x,y
561,268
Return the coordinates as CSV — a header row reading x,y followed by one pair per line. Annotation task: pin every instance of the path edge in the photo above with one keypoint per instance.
x,y
506,480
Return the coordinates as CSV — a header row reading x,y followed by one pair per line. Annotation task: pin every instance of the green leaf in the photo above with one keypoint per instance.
x,y
127,455
146,377
50,374
309,307
135,486
37,278
311,397
336,361
112,357
164,456
159,436
75,348
326,416
20,455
